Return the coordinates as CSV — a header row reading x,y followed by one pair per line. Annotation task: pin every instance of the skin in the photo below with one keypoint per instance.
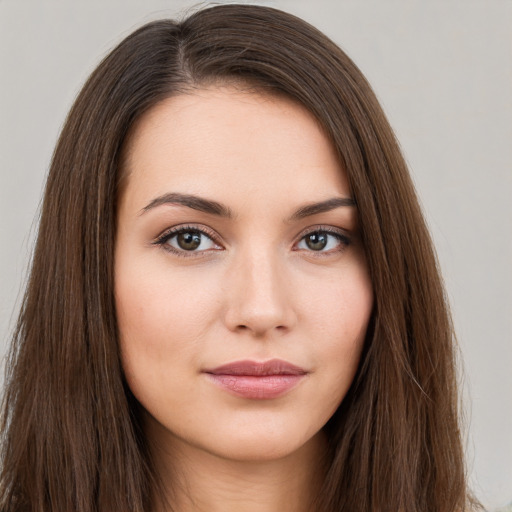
x,y
253,290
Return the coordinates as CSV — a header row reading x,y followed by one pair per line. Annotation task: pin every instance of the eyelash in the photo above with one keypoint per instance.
x,y
163,239
343,239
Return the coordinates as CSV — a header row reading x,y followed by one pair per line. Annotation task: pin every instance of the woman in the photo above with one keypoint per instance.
x,y
234,301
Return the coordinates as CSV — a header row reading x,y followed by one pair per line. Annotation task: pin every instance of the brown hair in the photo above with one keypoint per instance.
x,y
71,429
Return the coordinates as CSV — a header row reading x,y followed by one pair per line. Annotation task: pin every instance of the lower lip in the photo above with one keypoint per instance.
x,y
263,387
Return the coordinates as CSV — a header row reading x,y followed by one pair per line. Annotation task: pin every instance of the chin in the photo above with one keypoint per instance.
x,y
262,445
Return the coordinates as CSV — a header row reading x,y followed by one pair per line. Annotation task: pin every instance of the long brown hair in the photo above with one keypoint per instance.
x,y
71,431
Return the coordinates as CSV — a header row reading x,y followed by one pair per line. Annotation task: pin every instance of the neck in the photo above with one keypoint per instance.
x,y
197,481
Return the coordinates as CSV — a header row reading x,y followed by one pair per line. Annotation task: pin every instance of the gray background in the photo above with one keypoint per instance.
x,y
443,72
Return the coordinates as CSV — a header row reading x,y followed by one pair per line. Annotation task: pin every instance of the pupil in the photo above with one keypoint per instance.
x,y
189,240
316,241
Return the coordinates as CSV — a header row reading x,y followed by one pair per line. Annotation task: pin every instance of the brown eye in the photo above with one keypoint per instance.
x,y
323,241
316,241
188,240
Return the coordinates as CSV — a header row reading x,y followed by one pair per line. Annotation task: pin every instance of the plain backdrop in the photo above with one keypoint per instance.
x,y
443,72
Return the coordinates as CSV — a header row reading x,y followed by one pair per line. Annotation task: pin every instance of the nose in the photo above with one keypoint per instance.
x,y
260,301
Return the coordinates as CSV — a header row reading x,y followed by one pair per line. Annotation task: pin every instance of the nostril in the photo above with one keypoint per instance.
x,y
257,304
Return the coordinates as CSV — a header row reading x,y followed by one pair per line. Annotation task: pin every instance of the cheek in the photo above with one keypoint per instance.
x,y
155,300
338,319
163,321
340,306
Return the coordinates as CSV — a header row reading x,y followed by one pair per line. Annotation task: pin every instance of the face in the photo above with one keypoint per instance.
x,y
241,287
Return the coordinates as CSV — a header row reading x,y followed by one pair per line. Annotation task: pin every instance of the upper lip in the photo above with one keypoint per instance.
x,y
257,369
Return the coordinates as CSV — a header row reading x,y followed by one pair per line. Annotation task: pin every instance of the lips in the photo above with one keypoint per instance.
x,y
257,380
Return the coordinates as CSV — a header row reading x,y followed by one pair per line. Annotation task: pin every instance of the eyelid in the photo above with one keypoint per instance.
x,y
327,228
344,238
168,233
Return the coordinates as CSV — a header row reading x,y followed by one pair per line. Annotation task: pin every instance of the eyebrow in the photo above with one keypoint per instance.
x,y
321,207
214,208
191,201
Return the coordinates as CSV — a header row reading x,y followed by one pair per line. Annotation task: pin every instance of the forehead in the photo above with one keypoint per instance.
x,y
221,139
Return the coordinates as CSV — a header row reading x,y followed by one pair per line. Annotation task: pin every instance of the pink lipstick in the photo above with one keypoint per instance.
x,y
257,381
